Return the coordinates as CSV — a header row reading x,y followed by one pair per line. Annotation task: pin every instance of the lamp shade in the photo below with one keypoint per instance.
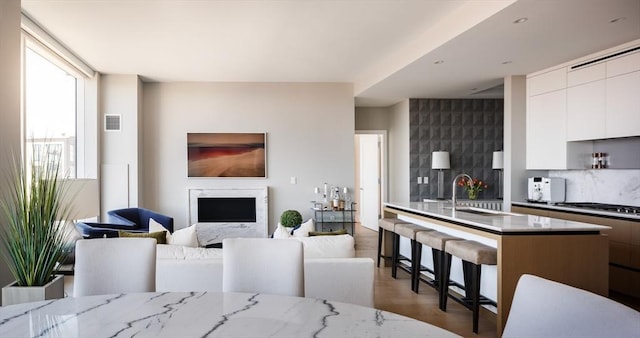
x,y
440,160
498,160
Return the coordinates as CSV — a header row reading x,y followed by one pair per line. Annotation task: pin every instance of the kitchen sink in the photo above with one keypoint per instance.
x,y
484,212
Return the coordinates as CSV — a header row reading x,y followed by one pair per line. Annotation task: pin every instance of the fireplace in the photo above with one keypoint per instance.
x,y
228,212
226,209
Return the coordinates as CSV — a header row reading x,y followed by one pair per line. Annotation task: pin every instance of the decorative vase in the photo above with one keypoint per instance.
x,y
12,294
472,194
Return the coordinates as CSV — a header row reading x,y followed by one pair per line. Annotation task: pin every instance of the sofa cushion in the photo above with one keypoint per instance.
x,y
304,229
328,233
186,236
159,236
179,252
340,246
282,232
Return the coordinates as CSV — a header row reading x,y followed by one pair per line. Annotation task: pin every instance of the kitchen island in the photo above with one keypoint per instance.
x,y
624,238
569,252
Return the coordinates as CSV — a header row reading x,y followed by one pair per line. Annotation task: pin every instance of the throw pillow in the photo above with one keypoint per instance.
x,y
328,233
185,237
154,226
281,232
160,236
304,229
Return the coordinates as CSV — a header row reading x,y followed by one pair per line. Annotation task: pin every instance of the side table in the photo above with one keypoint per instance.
x,y
331,220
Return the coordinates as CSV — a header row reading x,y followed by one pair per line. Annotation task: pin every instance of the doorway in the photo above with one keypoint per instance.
x,y
370,175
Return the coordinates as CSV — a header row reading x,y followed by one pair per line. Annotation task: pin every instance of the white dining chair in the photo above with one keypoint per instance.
x,y
114,265
351,280
544,308
263,265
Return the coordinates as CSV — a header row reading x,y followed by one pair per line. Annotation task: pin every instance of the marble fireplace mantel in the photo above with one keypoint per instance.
x,y
214,232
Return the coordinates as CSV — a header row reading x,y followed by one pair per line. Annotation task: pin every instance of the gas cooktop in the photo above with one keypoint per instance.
x,y
627,209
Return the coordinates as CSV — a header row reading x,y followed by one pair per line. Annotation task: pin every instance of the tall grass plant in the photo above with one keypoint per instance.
x,y
34,209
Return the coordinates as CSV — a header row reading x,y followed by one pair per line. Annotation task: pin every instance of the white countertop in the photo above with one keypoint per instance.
x,y
205,314
497,223
586,211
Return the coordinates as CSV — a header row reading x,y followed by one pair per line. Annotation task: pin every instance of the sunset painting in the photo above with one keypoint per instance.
x,y
226,155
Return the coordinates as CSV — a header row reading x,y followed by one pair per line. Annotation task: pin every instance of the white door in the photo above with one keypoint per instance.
x,y
369,180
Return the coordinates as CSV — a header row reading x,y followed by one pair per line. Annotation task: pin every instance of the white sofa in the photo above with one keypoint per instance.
x,y
331,270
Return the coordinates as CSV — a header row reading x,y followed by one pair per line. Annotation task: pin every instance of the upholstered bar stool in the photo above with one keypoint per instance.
x,y
473,256
386,224
437,241
408,230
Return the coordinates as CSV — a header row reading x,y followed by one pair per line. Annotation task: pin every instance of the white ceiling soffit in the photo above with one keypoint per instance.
x,y
386,48
556,31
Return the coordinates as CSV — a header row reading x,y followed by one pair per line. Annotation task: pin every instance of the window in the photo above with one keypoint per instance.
x,y
50,107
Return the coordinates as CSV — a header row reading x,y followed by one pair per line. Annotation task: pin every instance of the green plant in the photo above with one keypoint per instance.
x,y
290,218
35,237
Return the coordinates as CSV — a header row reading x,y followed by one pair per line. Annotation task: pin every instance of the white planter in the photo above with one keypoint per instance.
x,y
12,294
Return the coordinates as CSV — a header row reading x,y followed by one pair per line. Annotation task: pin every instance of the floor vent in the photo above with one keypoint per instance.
x,y
112,122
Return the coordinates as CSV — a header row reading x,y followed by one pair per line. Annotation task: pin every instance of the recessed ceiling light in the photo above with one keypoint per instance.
x,y
506,62
521,20
622,18
439,62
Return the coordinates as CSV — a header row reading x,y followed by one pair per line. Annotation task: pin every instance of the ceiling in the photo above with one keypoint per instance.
x,y
389,49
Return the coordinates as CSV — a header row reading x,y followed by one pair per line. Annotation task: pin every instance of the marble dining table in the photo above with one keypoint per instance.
x,y
205,314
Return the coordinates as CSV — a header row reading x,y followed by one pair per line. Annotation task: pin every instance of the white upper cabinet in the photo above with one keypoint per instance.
x,y
623,65
547,82
546,131
623,105
595,97
586,111
586,74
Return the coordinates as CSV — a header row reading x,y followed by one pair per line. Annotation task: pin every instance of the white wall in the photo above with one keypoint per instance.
x,y
9,101
399,152
368,118
310,136
515,147
120,150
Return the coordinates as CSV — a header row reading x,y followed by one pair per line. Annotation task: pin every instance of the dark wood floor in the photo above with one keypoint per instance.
x,y
395,295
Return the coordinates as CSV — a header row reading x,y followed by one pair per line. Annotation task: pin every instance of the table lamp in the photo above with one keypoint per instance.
x,y
498,164
440,160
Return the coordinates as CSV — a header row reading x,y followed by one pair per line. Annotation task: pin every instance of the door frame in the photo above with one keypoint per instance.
x,y
384,170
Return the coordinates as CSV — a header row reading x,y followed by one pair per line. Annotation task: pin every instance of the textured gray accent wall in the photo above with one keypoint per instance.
x,y
469,129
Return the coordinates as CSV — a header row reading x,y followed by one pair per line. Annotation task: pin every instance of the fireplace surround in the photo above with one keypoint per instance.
x,y
221,213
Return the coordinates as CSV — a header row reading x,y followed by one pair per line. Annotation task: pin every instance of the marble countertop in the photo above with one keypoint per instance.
x,y
499,222
205,314
586,211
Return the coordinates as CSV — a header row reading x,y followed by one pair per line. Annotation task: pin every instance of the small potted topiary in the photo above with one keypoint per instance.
x,y
290,218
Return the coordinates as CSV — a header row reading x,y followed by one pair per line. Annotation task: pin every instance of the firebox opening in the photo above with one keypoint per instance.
x,y
226,209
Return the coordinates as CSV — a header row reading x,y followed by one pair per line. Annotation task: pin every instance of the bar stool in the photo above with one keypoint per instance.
x,y
436,240
408,230
473,255
386,224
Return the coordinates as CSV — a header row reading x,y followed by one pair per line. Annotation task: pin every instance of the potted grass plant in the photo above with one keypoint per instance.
x,y
34,234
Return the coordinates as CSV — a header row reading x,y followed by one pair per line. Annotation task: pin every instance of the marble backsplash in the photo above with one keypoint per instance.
x,y
601,185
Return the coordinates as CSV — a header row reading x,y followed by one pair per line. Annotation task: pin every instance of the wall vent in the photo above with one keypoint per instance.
x,y
604,58
112,122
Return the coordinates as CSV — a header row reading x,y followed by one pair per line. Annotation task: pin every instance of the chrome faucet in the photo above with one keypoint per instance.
x,y
453,188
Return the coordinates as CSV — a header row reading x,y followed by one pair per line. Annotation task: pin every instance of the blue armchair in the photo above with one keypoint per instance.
x,y
129,219
139,218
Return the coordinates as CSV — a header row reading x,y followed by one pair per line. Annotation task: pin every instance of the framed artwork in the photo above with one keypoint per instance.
x,y
226,155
